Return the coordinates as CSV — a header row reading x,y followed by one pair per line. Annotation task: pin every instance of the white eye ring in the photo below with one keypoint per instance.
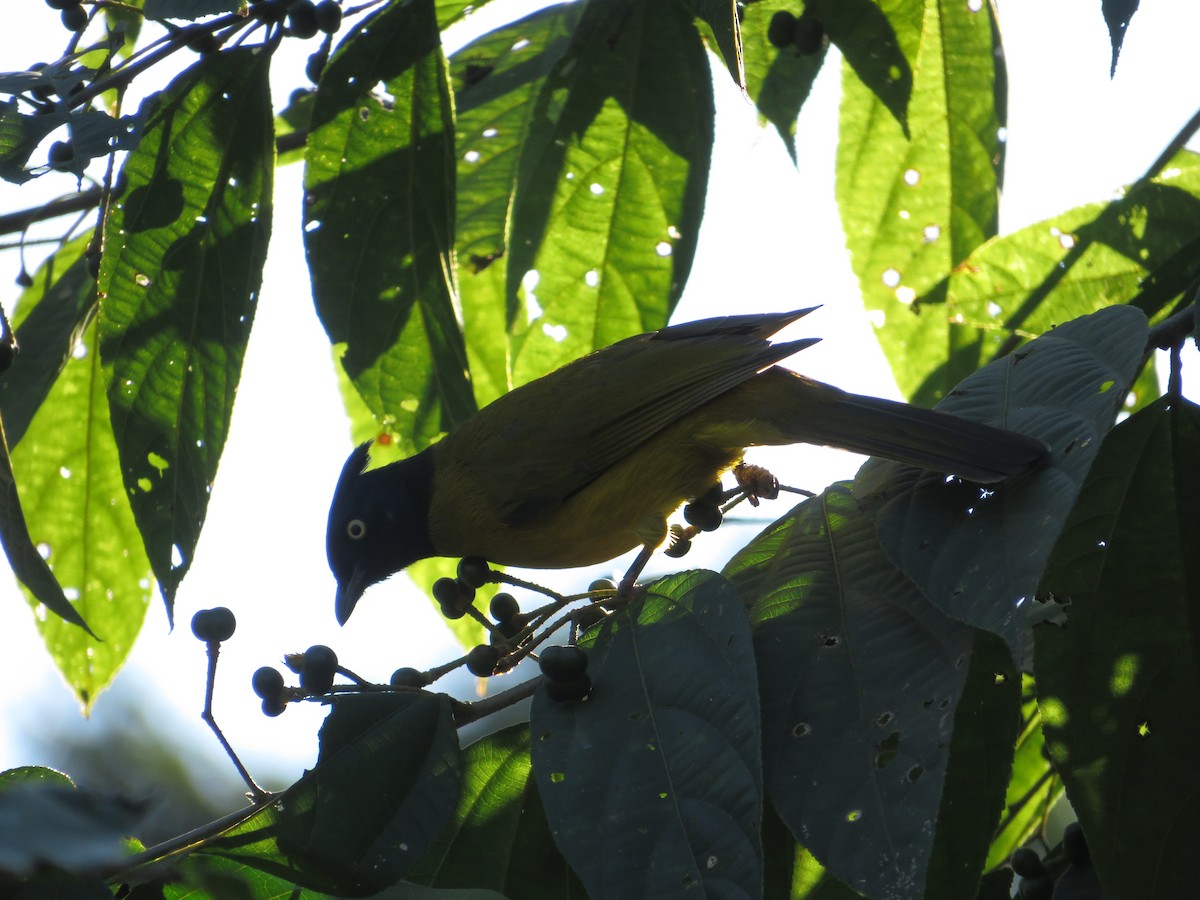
x,y
356,529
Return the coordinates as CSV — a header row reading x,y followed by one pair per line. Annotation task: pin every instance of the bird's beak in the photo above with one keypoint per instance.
x,y
347,596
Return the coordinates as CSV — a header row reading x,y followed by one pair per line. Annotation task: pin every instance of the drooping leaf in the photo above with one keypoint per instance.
x,y
860,678
986,723
611,188
976,553
497,81
778,80
499,837
653,784
1117,15
1033,787
69,477
915,206
179,281
1116,683
385,784
379,222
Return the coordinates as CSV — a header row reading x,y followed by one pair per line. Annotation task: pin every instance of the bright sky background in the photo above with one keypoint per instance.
x,y
771,241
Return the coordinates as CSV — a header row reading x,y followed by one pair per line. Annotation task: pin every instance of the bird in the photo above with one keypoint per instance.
x,y
587,462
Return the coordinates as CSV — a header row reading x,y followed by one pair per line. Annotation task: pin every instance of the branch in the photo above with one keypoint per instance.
x,y
63,206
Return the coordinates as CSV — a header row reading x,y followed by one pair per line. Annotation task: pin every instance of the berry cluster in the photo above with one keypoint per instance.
x,y
804,34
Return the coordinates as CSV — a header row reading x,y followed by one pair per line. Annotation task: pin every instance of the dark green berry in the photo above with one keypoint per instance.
x,y
62,4
1075,847
779,31
74,18
678,549
24,279
503,607
214,625
714,496
453,596
201,41
705,516
589,616
302,19
481,661
316,65
274,707
267,683
320,665
1026,863
568,691
61,154
563,663
807,35
408,677
329,16
269,12
602,584
513,626
474,571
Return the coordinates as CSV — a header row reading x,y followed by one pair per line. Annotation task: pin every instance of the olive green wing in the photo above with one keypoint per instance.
x,y
555,435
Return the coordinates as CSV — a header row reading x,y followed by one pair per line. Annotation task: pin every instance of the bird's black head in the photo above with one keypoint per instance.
x,y
378,523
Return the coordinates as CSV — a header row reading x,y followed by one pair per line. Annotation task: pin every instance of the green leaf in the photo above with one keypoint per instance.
x,y
499,838
179,278
860,678
497,80
23,775
379,222
884,42
20,135
1116,682
654,784
981,761
1032,790
451,11
385,784
611,187
1117,14
69,479
777,80
723,33
914,208
48,321
979,554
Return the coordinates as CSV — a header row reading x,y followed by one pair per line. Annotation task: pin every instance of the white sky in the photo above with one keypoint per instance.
x,y
1073,137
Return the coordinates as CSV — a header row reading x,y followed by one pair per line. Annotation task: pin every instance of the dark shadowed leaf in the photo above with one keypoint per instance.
x,y
652,785
611,188
1117,684
860,678
385,785
497,81
43,823
499,837
723,32
977,553
188,9
915,206
20,134
778,80
179,281
1117,14
379,223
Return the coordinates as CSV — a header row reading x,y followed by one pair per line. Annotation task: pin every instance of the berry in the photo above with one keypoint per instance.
x,y
62,4
274,707
269,12
1075,847
563,663
513,626
316,65
589,616
320,665
60,155
503,607
454,596
481,661
568,691
201,41
602,584
214,625
1026,863
74,18
24,279
329,16
714,496
302,19
807,36
705,516
781,29
408,677
474,571
267,683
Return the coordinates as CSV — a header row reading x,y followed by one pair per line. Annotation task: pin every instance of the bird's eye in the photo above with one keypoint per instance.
x,y
356,529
